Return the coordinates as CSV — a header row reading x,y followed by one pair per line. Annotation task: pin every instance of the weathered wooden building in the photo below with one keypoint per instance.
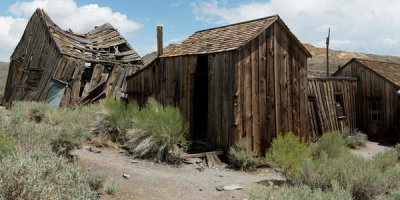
x,y
66,68
241,80
377,96
331,104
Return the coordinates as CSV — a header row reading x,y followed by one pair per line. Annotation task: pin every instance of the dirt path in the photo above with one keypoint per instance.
x,y
370,149
158,181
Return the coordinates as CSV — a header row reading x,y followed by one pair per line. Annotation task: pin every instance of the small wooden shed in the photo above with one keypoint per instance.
x,y
241,80
331,104
378,99
64,68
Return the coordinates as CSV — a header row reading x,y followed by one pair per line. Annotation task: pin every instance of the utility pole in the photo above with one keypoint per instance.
x,y
327,52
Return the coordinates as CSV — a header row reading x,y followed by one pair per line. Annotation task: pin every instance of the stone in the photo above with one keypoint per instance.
x,y
93,149
134,161
221,175
126,176
228,188
272,182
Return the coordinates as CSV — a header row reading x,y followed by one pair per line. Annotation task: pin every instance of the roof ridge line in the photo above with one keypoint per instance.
x,y
276,15
362,59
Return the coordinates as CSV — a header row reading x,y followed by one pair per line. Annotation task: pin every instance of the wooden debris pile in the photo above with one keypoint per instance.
x,y
211,159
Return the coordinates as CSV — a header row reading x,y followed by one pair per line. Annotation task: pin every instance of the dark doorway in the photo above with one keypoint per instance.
x,y
200,99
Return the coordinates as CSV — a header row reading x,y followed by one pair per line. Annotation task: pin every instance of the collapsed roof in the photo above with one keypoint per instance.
x,y
103,44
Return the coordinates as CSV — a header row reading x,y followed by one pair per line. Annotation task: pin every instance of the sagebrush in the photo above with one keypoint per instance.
x,y
41,174
365,179
240,156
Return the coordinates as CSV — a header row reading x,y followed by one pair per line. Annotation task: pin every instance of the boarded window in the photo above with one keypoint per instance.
x,y
55,93
339,106
373,110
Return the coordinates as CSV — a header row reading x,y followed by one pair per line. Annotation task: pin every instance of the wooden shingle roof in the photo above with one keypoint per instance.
x,y
227,38
390,71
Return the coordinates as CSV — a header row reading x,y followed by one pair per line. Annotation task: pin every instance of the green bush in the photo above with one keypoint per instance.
x,y
354,140
120,115
8,145
41,174
240,157
159,132
332,144
288,152
96,180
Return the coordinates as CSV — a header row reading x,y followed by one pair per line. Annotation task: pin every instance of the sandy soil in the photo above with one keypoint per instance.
x,y
150,180
370,149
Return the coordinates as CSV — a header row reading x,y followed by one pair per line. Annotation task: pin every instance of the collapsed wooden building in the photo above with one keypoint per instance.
x,y
378,97
241,80
64,68
331,104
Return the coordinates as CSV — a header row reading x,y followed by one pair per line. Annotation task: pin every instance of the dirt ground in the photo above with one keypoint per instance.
x,y
370,149
150,180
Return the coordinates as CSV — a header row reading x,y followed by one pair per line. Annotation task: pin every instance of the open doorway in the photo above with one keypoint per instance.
x,y
200,100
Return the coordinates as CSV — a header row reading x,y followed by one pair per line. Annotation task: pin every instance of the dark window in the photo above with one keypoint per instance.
x,y
373,110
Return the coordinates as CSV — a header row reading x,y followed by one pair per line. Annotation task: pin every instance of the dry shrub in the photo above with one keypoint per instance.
x,y
159,133
96,180
241,158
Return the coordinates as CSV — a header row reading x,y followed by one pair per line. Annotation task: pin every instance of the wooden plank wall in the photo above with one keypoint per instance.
x,y
372,85
322,109
171,80
270,89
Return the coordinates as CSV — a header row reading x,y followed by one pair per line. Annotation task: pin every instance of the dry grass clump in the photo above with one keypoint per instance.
x,y
241,158
159,133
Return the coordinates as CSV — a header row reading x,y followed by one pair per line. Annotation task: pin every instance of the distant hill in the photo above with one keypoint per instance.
x,y
337,57
3,72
